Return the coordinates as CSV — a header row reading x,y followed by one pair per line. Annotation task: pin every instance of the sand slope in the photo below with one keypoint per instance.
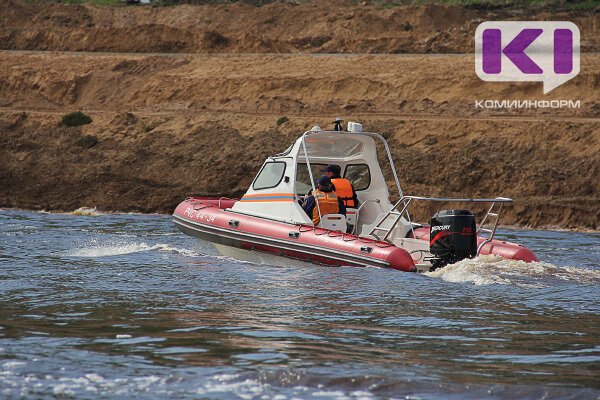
x,y
319,26
171,126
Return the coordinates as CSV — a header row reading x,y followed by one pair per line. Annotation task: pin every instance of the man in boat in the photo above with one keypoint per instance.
x,y
329,201
342,186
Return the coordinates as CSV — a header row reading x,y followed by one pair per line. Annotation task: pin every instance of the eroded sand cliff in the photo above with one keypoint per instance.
x,y
168,126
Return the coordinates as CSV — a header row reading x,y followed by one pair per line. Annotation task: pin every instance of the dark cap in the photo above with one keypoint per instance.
x,y
324,182
332,168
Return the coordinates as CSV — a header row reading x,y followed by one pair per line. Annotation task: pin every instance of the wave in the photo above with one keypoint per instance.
x,y
87,211
118,249
490,269
240,386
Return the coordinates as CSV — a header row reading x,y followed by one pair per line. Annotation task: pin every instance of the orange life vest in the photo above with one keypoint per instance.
x,y
328,204
343,188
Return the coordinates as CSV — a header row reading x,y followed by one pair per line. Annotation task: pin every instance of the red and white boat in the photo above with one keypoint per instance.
x,y
268,219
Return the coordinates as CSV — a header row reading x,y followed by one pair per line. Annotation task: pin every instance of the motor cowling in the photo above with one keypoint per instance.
x,y
452,237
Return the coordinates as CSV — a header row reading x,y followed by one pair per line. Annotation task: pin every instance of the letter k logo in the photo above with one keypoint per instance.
x,y
527,51
514,51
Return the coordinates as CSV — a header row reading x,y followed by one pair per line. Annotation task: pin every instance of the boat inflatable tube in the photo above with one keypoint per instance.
x,y
211,219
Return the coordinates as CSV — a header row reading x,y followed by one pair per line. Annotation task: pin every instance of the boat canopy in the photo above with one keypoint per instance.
x,y
334,146
285,178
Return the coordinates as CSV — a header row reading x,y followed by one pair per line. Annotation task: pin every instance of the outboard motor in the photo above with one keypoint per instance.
x,y
452,237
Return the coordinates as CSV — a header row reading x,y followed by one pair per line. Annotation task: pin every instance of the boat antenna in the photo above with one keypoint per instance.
x,y
337,124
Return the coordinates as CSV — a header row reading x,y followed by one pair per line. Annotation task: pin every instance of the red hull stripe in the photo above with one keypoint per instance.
x,y
278,244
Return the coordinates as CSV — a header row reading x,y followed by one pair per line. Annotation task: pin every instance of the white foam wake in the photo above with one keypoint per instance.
x,y
18,384
87,211
490,269
116,249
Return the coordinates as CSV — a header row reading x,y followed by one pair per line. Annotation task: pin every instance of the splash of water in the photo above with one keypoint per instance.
x,y
491,269
87,211
108,249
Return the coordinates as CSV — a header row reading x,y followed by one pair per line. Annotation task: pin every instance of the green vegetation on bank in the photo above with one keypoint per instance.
x,y
76,118
492,4
87,141
556,5
99,2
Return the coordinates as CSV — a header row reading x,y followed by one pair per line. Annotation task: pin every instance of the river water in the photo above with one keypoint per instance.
x,y
121,306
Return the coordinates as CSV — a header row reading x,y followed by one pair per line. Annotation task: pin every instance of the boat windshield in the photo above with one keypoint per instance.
x,y
334,145
359,176
303,185
353,151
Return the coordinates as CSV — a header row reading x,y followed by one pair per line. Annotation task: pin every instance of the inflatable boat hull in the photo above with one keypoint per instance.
x,y
210,219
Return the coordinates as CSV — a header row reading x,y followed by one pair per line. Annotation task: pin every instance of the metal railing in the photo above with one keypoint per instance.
x,y
370,134
358,212
405,201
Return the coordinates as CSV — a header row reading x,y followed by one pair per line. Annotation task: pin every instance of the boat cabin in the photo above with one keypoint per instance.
x,y
286,178
274,199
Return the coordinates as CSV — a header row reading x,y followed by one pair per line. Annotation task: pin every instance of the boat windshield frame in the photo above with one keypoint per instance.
x,y
342,133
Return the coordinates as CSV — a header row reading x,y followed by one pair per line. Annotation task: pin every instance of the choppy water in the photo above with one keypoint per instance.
x,y
124,306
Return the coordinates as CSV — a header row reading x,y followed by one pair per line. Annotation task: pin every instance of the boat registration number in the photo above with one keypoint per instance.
x,y
198,215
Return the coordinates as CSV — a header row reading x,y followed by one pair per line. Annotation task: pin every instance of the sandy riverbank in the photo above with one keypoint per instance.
x,y
336,26
166,126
